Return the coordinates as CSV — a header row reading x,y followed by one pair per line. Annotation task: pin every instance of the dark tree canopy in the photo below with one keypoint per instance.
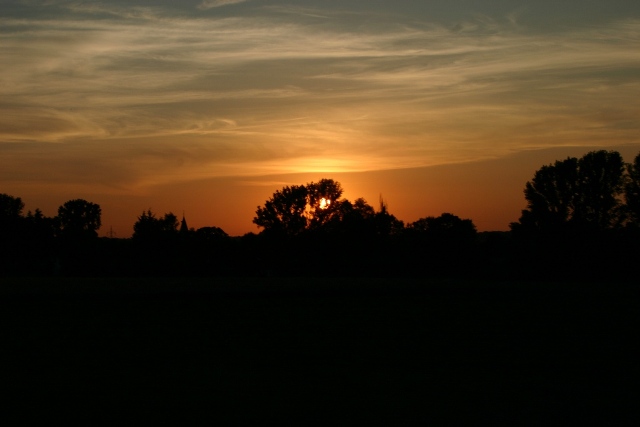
x,y
581,193
632,191
211,234
551,195
10,207
353,218
363,209
387,224
297,208
323,202
601,180
284,212
79,218
312,230
10,224
150,228
318,207
446,226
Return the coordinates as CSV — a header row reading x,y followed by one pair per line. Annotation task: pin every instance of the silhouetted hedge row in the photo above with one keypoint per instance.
x,y
582,222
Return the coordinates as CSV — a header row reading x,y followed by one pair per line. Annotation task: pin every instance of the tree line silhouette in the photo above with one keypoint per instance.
x,y
582,221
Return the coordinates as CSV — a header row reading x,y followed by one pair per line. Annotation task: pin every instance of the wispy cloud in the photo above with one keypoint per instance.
x,y
209,4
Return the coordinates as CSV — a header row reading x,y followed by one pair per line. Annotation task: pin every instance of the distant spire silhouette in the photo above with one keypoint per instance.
x,y
184,229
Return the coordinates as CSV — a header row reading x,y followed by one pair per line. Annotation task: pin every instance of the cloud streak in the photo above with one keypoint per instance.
x,y
210,4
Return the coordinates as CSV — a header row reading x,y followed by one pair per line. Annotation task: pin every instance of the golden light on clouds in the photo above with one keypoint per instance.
x,y
128,97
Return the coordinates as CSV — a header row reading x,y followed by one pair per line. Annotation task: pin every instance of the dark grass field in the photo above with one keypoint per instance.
x,y
301,351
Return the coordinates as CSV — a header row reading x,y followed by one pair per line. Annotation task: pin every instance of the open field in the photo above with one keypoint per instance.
x,y
378,350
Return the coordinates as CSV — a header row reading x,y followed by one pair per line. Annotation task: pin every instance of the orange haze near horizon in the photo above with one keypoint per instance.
x,y
488,192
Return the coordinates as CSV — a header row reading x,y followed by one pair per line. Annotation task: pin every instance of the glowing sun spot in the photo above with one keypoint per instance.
x,y
324,203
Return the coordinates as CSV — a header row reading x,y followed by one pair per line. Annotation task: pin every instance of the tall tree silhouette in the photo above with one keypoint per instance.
x,y
387,224
551,195
632,191
79,219
601,176
582,193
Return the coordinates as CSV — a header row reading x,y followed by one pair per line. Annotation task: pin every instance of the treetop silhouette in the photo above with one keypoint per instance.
x,y
582,218
79,219
632,192
576,193
297,208
319,207
150,228
10,207
446,226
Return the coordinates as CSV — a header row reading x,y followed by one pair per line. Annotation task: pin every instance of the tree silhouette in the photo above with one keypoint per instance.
x,y
11,232
79,219
323,200
77,224
446,227
443,245
150,228
632,191
10,207
551,195
385,223
284,212
573,222
297,208
601,175
581,193
363,209
211,234
354,220
39,227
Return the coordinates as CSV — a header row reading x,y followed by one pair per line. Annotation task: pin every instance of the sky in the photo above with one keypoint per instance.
x,y
206,107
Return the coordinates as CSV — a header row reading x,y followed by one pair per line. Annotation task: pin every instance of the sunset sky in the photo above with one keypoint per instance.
x,y
208,106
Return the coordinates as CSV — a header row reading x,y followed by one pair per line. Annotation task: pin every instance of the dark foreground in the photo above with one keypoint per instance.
x,y
310,351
